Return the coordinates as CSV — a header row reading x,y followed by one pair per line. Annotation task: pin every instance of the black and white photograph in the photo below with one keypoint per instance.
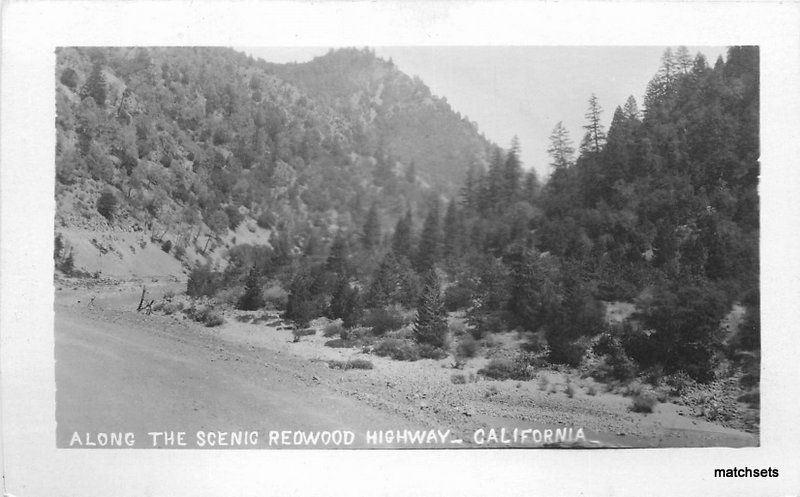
x,y
401,248
328,253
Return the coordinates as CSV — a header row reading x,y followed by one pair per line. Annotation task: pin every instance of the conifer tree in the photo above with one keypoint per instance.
x,y
531,186
252,299
429,246
512,173
451,243
401,240
345,303
595,135
561,149
372,229
469,191
683,60
492,190
631,110
338,257
430,327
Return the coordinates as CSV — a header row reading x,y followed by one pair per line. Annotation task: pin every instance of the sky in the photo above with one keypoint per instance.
x,y
522,91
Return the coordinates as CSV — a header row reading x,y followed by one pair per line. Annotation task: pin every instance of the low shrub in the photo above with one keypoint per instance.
x,y
350,364
644,401
235,218
613,363
383,320
203,281
399,350
592,390
204,314
507,369
107,205
179,252
170,308
166,246
458,379
428,351
333,329
266,220
570,390
467,347
483,325
679,383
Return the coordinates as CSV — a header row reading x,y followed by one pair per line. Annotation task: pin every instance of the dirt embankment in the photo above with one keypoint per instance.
x,y
121,370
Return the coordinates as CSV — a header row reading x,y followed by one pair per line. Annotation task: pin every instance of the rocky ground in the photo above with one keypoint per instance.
x,y
121,369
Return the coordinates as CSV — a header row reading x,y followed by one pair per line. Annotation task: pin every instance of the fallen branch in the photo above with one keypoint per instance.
x,y
141,300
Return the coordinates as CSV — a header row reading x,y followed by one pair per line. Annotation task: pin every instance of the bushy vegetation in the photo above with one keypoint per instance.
x,y
383,320
397,349
205,314
643,401
351,364
107,205
508,369
467,347
252,299
203,281
661,209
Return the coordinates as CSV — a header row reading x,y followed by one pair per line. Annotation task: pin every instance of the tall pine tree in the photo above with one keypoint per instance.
x,y
402,242
371,236
595,135
561,150
430,327
429,247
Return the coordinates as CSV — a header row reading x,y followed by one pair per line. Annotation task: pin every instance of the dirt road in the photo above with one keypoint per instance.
x,y
119,371
122,371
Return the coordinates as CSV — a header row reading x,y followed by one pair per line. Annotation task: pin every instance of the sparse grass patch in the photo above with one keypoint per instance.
x,y
350,364
507,369
458,379
397,349
204,314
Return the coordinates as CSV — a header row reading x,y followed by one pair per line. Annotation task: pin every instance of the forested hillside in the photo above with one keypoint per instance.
x,y
348,165
191,140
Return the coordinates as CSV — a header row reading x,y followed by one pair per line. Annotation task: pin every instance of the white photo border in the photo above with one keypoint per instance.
x,y
31,30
